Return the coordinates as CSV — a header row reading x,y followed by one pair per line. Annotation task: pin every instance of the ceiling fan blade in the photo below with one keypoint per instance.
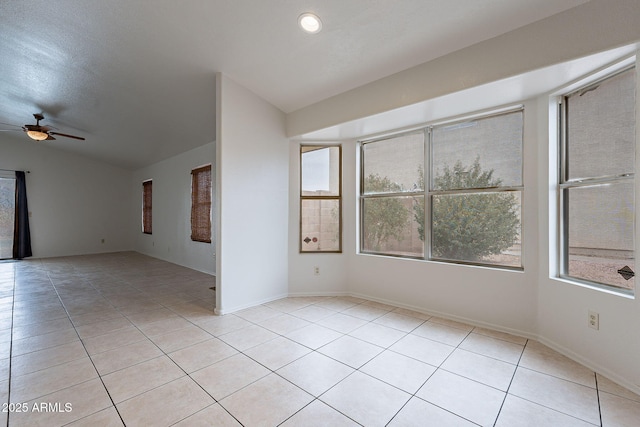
x,y
10,130
10,124
50,138
66,135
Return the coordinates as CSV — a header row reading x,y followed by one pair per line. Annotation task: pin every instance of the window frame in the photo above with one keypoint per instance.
x,y
147,208
316,197
196,204
565,183
428,192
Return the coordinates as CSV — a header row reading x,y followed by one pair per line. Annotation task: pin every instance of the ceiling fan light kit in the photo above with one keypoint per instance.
x,y
37,135
41,133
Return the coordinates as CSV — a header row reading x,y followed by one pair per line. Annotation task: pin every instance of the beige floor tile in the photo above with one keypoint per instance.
x,y
201,355
284,323
287,305
564,396
181,338
40,342
315,373
86,319
606,385
418,413
150,316
213,415
422,349
318,414
42,359
500,335
618,411
314,336
312,313
103,327
119,338
517,412
125,356
137,379
466,398
399,321
248,337
541,358
451,323
165,405
106,418
366,400
35,329
220,325
277,353
4,369
492,347
365,312
40,383
164,326
400,371
342,323
486,370
229,375
268,401
257,314
351,351
84,399
379,335
336,304
441,333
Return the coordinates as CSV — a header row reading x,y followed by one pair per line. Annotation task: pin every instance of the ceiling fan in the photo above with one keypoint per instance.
x,y
43,133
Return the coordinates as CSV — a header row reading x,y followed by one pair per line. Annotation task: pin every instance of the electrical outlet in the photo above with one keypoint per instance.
x,y
594,320
316,271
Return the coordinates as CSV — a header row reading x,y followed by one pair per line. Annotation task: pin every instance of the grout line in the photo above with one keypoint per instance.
x,y
598,397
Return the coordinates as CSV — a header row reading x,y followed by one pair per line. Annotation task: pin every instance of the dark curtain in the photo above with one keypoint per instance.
x,y
21,234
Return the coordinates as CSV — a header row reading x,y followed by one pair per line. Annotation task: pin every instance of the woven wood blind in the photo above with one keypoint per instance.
x,y
146,207
201,204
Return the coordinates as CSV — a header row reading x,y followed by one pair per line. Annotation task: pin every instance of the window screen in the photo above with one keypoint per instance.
x,y
597,191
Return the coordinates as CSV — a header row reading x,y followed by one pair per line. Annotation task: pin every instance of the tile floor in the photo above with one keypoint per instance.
x,y
117,339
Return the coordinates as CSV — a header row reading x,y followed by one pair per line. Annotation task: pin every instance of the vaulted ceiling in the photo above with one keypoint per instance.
x,y
136,78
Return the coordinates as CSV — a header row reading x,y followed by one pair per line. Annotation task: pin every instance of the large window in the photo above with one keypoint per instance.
x,y
464,207
596,190
147,215
320,198
201,204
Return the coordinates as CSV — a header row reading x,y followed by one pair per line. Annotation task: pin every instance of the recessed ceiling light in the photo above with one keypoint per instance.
x,y
310,23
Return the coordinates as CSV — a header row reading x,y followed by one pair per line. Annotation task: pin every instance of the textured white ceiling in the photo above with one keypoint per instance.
x,y
137,78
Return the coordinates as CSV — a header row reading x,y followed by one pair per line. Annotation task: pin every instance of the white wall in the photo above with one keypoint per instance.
x,y
531,303
171,210
75,201
252,198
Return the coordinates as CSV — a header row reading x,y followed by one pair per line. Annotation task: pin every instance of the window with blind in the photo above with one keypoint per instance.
x,y
147,207
201,204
